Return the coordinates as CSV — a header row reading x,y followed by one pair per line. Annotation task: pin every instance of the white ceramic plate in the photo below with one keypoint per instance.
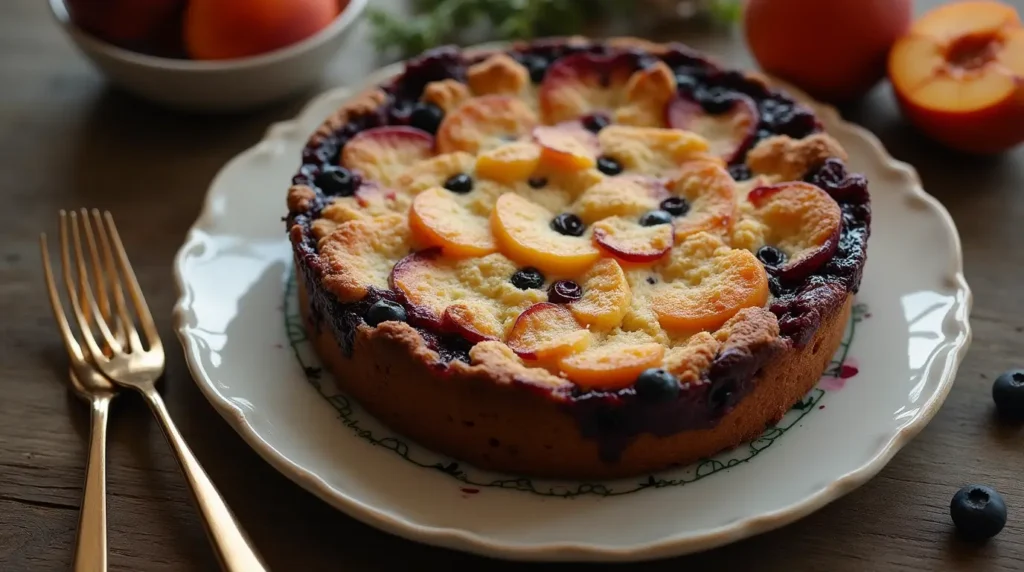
x,y
237,320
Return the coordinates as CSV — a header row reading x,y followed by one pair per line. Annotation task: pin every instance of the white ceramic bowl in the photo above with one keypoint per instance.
x,y
228,85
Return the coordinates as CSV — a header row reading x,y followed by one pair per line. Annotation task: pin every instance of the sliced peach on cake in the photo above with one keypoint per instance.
x,y
606,296
610,367
803,224
523,231
708,199
625,195
583,83
547,331
649,150
711,291
436,218
473,321
959,75
421,278
730,129
634,240
567,147
382,153
509,163
483,123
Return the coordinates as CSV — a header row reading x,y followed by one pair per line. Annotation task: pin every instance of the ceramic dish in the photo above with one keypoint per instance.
x,y
238,322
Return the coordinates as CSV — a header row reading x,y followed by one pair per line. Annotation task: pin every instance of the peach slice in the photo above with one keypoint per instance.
x,y
959,75
509,163
547,331
649,150
584,83
625,239
472,321
625,195
523,232
415,276
437,219
804,222
606,296
611,367
483,123
710,191
723,284
730,132
567,147
381,153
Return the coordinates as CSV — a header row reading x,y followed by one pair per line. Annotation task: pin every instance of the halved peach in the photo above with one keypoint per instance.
x,y
509,163
483,123
547,331
625,195
567,147
523,232
651,151
606,296
959,75
710,191
612,366
723,284
627,240
381,153
437,219
584,83
803,221
472,321
729,132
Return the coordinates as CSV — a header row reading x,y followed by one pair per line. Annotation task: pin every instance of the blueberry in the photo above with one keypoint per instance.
x,y
564,292
716,100
978,512
568,224
656,385
400,113
609,166
595,122
652,218
537,66
675,206
740,172
426,116
1008,393
537,182
771,257
526,278
385,311
337,181
461,183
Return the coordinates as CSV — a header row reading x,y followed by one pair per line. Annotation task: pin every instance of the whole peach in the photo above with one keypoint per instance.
x,y
835,50
227,29
132,24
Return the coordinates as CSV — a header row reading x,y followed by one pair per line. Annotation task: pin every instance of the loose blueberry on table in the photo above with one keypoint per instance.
x,y
978,512
1008,394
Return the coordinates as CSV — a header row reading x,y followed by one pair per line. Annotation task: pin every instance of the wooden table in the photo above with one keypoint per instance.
x,y
68,140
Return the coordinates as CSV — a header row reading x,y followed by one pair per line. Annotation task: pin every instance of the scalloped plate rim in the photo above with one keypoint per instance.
x,y
574,551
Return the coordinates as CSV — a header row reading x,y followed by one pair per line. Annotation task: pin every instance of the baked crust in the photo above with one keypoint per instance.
x,y
486,405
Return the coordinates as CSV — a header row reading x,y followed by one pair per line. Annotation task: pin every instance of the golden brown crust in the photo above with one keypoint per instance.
x,y
498,74
479,414
365,102
446,94
787,159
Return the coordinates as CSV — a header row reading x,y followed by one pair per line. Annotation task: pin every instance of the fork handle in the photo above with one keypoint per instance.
x,y
233,548
91,544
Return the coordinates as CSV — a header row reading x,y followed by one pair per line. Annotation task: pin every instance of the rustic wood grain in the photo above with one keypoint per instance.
x,y
68,140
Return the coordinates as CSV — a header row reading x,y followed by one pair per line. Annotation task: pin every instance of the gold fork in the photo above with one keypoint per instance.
x,y
135,366
92,386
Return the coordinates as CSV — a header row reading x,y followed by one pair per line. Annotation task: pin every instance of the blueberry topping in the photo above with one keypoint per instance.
x,y
426,116
652,218
537,66
400,113
771,257
609,166
537,182
461,183
337,181
595,122
568,224
716,100
526,278
1008,393
385,311
740,172
978,512
675,206
564,291
656,385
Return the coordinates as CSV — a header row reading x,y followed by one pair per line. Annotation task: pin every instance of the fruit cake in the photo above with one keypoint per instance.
x,y
576,258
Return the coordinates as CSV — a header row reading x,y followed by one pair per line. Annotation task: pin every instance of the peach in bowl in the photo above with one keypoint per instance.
x,y
209,55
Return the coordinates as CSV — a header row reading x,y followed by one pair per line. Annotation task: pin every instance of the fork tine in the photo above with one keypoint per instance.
x,y
83,277
100,287
138,299
74,350
76,305
126,323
